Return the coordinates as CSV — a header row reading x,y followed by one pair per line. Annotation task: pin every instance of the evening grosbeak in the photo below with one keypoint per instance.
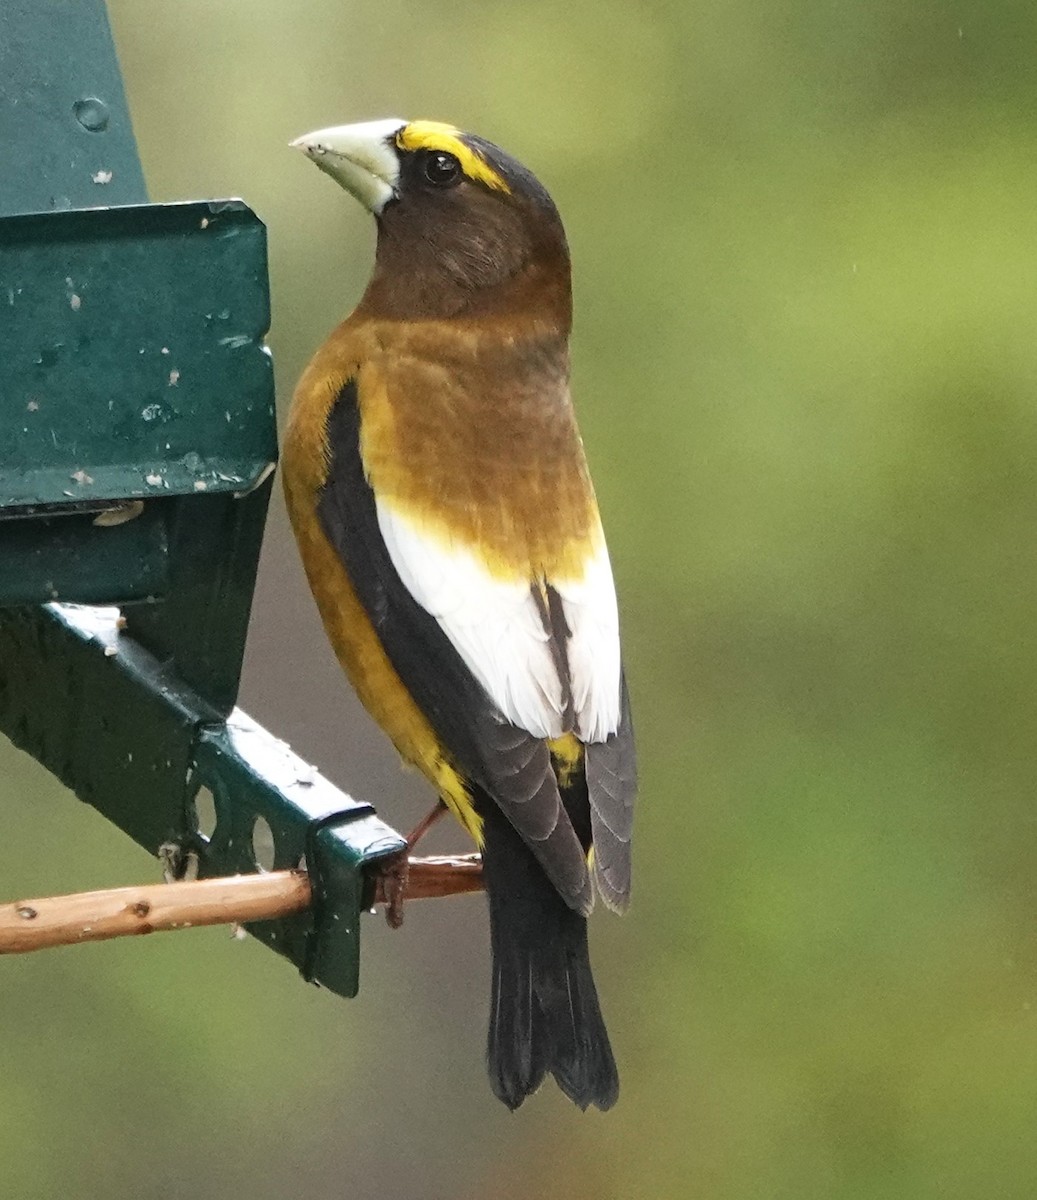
x,y
438,489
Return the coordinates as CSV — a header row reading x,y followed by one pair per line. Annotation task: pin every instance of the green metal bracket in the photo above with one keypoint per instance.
x,y
138,440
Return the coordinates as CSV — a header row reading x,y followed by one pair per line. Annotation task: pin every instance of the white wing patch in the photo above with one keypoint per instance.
x,y
496,627
592,615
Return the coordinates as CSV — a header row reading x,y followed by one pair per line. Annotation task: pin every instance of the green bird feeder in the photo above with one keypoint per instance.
x,y
137,449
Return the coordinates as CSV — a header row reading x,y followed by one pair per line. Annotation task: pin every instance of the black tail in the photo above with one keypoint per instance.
x,y
544,1014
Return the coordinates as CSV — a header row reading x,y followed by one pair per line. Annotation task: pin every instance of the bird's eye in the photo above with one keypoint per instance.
x,y
441,168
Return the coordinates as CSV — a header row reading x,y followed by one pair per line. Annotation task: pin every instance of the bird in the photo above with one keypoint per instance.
x,y
439,493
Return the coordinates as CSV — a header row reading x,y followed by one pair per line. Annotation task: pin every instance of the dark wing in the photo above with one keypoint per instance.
x,y
611,768
509,764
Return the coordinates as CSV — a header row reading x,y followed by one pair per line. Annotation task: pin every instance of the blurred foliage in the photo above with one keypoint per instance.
x,y
805,244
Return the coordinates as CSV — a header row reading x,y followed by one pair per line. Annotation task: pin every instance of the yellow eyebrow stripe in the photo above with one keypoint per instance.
x,y
434,135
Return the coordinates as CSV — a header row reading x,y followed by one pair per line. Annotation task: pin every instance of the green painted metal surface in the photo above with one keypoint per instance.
x,y
63,114
134,384
202,621
69,557
170,301
101,714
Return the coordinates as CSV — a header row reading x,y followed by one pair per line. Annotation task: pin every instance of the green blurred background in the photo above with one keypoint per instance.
x,y
805,244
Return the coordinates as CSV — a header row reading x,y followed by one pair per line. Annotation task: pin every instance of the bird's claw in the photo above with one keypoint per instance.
x,y
394,888
178,864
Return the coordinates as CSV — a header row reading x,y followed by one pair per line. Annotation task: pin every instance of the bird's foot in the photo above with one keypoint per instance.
x,y
424,825
178,863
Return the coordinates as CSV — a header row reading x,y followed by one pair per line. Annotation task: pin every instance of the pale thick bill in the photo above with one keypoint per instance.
x,y
496,627
362,158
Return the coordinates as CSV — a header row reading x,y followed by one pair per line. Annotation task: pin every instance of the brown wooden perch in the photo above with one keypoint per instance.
x,y
121,912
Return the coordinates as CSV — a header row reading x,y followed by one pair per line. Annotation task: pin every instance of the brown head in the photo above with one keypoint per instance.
x,y
463,229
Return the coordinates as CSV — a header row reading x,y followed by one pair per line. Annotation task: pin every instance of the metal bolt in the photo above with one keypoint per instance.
x,y
91,113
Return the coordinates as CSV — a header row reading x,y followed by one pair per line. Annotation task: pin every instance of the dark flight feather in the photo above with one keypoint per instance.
x,y
611,768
